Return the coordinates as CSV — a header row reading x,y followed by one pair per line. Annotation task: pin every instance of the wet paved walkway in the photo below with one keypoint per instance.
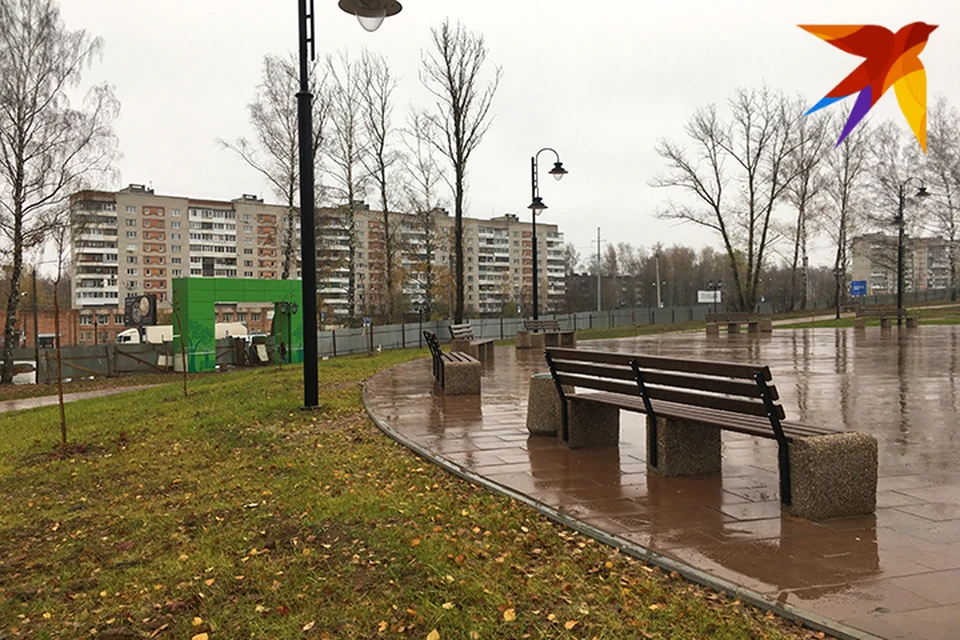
x,y
895,574
43,401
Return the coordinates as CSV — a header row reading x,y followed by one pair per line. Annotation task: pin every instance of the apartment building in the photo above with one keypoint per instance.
x,y
498,260
134,241
926,263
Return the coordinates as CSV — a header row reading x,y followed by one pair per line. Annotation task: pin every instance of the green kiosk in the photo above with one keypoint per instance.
x,y
194,298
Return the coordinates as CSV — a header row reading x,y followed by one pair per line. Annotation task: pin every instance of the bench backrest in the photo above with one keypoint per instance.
x,y
461,331
733,316
433,343
541,325
878,313
731,387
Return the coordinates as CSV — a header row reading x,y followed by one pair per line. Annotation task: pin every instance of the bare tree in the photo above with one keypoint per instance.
x,y
846,175
48,150
942,171
804,193
345,154
754,147
421,192
451,71
273,115
378,86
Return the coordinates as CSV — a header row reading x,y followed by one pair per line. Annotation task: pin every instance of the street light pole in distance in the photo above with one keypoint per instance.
x,y
536,206
371,14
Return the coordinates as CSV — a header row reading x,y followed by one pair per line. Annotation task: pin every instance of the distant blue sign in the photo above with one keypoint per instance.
x,y
858,288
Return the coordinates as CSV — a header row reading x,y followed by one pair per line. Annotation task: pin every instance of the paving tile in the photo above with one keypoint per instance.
x,y
943,587
892,573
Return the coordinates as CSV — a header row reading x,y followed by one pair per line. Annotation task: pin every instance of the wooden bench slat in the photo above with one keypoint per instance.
x,y
624,388
747,425
620,372
720,403
725,369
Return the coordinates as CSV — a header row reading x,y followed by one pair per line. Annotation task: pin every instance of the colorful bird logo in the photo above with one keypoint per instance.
x,y
890,59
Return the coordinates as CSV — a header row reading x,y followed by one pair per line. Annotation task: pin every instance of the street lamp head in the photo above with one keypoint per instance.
x,y
558,171
371,13
922,192
537,206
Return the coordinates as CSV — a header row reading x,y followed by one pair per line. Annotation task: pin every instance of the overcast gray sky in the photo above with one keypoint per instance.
x,y
599,82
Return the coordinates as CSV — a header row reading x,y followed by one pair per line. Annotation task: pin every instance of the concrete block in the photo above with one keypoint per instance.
x,y
461,378
685,448
833,476
733,327
766,325
886,323
713,329
913,322
544,413
463,346
591,424
860,323
530,340
753,326
568,339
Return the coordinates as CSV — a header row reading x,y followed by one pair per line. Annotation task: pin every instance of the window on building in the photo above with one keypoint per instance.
x,y
131,247
177,273
255,317
175,212
131,209
131,272
176,248
132,259
118,319
131,234
130,222
86,319
174,236
176,261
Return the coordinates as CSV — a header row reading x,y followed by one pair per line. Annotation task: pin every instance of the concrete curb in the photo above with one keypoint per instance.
x,y
809,619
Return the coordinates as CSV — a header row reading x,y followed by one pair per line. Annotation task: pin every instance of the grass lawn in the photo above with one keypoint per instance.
x,y
234,514
944,315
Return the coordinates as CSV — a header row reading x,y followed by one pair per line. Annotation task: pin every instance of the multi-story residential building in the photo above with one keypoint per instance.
x,y
134,241
926,263
498,260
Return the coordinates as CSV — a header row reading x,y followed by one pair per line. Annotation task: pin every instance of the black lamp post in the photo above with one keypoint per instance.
x,y
536,206
370,13
901,201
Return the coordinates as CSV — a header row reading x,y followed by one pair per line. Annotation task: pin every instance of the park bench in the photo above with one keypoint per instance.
x,y
550,331
733,320
824,472
458,373
463,340
886,317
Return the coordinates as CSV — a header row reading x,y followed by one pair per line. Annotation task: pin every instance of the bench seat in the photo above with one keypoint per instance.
x,y
463,340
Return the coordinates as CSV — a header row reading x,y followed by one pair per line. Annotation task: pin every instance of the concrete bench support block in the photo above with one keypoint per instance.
x,y
833,476
913,322
860,323
591,424
529,340
886,323
713,329
685,448
461,378
544,416
766,325
733,327
753,326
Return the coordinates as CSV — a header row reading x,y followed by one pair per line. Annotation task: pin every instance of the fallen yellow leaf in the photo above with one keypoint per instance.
x,y
447,605
197,621
309,625
433,635
382,626
201,636
509,615
570,624
209,582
